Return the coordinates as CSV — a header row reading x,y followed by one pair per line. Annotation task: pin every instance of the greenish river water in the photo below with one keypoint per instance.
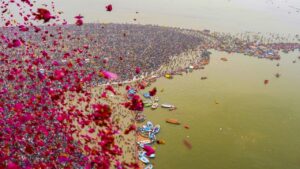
x,y
254,126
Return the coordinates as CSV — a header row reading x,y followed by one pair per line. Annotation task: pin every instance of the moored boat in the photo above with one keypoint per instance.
x,y
147,95
167,106
143,158
154,105
149,166
156,129
140,118
173,121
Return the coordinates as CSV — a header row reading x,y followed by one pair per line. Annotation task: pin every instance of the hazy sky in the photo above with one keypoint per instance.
x,y
279,16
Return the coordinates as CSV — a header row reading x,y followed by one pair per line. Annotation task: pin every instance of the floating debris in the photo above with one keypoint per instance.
x,y
187,144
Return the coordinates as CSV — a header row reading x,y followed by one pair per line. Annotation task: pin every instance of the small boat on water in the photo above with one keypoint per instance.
x,y
224,59
145,128
167,106
149,124
143,142
140,118
172,108
147,95
131,91
168,76
152,136
149,166
203,78
143,158
173,121
154,105
147,104
156,129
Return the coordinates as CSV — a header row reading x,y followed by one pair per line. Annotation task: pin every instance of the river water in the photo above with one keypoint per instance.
x,y
277,16
236,121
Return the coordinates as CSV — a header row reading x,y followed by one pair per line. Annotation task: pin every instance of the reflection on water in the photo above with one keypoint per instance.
x,y
253,126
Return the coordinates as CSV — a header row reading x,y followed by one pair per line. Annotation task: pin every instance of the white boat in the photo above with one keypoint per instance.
x,y
156,129
167,106
147,141
154,105
149,124
143,158
152,156
149,166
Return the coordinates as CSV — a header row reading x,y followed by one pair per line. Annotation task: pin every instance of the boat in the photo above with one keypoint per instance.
x,y
156,99
167,106
152,156
143,158
168,76
140,118
147,104
131,91
161,141
149,166
142,142
203,78
152,136
149,124
147,95
224,59
172,108
154,105
173,121
145,128
156,129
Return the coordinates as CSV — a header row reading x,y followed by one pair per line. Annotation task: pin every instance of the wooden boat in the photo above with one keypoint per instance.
x,y
203,78
224,59
266,82
173,121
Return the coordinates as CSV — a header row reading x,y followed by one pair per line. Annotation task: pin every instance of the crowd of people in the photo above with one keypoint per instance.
x,y
69,58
